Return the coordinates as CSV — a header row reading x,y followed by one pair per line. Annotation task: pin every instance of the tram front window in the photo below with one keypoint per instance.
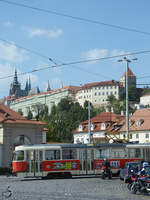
x,y
18,155
52,154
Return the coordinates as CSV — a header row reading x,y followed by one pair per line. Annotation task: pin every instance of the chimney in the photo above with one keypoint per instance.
x,y
112,109
122,112
107,110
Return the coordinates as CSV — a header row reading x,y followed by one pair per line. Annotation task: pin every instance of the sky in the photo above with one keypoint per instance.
x,y
52,34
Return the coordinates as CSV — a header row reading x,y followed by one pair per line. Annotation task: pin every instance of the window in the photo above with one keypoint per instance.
x,y
134,153
95,93
137,136
69,154
147,135
18,155
52,154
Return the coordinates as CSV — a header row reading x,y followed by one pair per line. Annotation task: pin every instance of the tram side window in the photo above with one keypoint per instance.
x,y
101,153
52,154
18,155
69,154
134,153
118,153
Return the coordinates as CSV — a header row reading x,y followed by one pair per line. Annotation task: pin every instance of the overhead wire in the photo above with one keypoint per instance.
x,y
75,17
79,62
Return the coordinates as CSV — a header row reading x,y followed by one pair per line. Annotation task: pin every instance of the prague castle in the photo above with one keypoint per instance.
x,y
97,93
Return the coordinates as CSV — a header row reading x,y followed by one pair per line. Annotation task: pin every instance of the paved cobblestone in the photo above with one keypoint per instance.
x,y
68,189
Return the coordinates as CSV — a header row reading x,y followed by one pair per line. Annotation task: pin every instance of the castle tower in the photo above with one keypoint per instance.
x,y
131,78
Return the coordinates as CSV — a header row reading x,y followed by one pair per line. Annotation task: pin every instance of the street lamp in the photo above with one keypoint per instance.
x,y
89,122
127,98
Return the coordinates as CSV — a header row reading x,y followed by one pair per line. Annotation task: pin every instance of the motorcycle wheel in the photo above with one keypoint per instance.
x,y
110,176
103,176
129,186
133,189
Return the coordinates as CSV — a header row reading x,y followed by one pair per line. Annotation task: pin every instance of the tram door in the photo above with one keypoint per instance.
x,y
82,157
34,163
86,161
90,161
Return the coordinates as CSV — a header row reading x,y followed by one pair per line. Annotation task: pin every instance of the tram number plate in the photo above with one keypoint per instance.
x,y
115,164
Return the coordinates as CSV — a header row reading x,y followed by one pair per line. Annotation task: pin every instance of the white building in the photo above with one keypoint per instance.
x,y
49,98
139,126
97,93
145,99
103,129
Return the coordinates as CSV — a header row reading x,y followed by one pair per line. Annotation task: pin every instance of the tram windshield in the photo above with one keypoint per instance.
x,y
18,155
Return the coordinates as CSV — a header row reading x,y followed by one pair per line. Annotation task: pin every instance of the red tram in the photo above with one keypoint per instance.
x,y
45,160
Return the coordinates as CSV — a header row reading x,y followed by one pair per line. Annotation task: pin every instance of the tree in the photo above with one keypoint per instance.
x,y
64,118
133,94
30,115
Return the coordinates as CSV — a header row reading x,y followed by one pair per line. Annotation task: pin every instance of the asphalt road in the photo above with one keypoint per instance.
x,y
85,188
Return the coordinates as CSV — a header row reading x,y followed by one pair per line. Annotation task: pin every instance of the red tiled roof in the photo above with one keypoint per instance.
x,y
143,117
71,88
102,83
7,115
104,117
130,73
112,121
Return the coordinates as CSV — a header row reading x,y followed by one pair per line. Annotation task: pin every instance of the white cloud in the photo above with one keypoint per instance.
x,y
37,32
9,24
101,53
95,54
9,52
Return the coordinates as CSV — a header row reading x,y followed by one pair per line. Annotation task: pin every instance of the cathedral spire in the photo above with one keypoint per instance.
x,y
29,86
15,82
48,87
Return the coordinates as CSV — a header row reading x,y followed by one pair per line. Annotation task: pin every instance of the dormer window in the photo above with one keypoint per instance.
x,y
80,128
103,126
138,123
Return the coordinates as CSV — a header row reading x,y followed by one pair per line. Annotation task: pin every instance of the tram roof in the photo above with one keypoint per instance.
x,y
138,145
58,146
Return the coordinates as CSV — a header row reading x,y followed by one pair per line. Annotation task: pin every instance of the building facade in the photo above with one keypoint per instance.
x,y
103,129
139,126
97,93
145,99
49,98
16,130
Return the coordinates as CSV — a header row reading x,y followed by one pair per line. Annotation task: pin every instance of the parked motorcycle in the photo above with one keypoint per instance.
x,y
139,184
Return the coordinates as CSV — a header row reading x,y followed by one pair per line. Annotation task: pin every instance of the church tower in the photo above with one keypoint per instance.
x,y
15,86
